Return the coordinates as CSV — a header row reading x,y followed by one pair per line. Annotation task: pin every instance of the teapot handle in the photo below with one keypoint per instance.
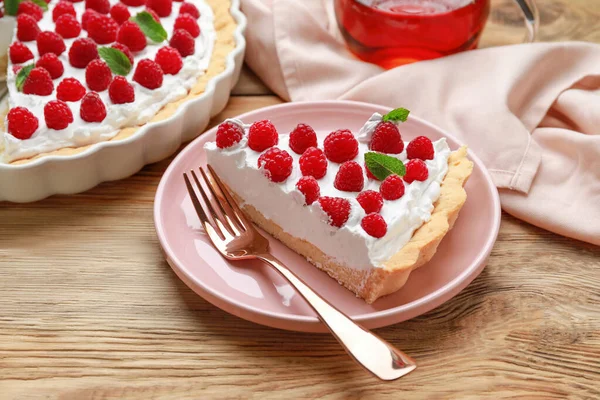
x,y
532,18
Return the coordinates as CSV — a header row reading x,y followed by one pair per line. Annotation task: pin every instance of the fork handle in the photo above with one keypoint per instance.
x,y
372,352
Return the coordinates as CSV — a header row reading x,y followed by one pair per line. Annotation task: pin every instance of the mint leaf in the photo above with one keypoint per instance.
x,y
11,7
399,114
151,28
22,76
116,60
40,3
382,165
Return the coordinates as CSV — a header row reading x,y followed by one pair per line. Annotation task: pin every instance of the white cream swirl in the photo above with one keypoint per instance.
x,y
366,132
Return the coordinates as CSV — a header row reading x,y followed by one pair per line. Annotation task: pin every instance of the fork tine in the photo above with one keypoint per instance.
x,y
208,227
195,201
227,223
230,201
226,209
222,231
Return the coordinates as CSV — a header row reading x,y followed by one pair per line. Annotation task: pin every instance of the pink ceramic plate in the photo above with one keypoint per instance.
x,y
257,293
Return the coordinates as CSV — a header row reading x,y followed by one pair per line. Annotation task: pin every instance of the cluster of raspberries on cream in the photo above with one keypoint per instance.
x,y
340,147
114,27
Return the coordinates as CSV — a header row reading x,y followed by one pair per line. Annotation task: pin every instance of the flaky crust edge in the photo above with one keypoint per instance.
x,y
373,283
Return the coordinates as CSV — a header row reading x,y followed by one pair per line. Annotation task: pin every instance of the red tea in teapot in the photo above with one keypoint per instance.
x,y
396,32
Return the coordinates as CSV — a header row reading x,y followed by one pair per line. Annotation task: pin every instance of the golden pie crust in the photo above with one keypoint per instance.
x,y
3,66
372,283
225,27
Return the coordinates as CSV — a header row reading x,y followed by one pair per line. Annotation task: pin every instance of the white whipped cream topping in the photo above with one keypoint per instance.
x,y
284,204
147,102
366,132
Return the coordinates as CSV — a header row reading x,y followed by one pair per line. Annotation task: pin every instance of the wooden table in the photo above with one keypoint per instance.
x,y
89,309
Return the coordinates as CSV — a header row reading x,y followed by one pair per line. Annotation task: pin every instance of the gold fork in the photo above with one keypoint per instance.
x,y
236,238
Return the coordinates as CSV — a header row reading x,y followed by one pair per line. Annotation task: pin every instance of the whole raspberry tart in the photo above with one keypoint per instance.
x,y
106,68
366,208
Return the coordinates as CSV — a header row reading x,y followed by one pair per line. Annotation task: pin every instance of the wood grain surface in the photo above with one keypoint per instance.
x,y
90,310
559,20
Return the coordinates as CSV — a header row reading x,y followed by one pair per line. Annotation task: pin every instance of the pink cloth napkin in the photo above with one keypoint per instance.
x,y
530,112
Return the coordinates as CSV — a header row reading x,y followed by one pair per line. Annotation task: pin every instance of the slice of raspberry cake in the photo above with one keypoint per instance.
x,y
366,209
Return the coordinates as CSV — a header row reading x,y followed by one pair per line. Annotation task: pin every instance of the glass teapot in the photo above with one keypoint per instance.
x,y
395,32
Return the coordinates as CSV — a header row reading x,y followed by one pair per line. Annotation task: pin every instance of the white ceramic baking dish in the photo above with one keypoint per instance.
x,y
109,161
7,26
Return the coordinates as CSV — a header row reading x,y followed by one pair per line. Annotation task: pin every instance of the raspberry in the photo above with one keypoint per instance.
x,y
19,53
392,188
309,187
21,123
131,36
50,42
88,16
313,163
38,82
57,114
420,147
134,3
386,139
148,74
82,51
27,28
188,23
370,174
29,8
276,164
416,170
120,13
153,13
370,200
340,146
228,134
125,50
52,64
102,6
98,75
92,109
302,137
374,225
62,8
262,135
67,26
120,91
189,8
169,60
162,7
336,208
70,90
350,177
183,42
103,29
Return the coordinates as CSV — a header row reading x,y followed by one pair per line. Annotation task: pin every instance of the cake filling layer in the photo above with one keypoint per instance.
x,y
147,102
283,204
